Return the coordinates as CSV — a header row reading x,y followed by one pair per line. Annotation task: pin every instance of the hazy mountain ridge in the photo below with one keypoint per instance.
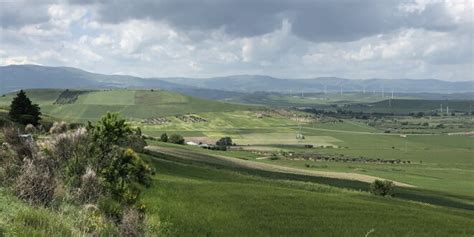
x,y
15,77
252,83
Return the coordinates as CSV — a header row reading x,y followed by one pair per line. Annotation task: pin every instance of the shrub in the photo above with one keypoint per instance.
x,y
30,128
90,188
92,221
67,145
381,187
24,148
58,127
176,139
71,153
36,183
225,141
135,142
111,208
123,171
164,137
9,166
109,130
132,223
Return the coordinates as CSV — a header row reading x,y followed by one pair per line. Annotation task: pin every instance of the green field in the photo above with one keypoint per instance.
x,y
193,200
406,106
305,99
134,104
199,199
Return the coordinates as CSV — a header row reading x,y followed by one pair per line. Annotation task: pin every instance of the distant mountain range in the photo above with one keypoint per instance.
x,y
15,77
253,83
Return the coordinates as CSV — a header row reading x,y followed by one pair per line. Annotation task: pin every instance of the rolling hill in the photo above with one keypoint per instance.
x,y
254,83
14,77
81,105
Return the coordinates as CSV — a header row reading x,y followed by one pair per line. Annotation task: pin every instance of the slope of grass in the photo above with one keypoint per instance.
x,y
196,200
112,97
133,104
20,219
405,106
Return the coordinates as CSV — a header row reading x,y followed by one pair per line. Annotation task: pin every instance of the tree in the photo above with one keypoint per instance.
x,y
176,139
382,187
225,141
164,137
23,111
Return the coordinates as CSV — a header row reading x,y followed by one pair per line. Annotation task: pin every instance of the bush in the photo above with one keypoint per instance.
x,y
382,188
111,208
30,128
58,127
135,142
176,139
23,148
164,137
92,221
225,141
9,166
123,173
132,223
67,145
36,183
90,189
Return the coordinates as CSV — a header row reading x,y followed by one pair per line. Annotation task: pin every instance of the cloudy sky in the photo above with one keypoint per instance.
x,y
288,38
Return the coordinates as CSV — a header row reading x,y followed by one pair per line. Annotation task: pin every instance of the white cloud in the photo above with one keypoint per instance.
x,y
75,36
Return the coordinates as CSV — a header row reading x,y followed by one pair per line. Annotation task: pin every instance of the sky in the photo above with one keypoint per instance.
x,y
355,39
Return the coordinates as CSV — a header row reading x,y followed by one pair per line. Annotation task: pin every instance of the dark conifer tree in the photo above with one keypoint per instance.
x,y
23,111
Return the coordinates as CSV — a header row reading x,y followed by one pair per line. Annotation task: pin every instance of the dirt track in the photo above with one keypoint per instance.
x,y
238,163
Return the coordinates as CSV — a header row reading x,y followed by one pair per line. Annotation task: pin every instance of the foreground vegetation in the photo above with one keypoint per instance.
x,y
92,170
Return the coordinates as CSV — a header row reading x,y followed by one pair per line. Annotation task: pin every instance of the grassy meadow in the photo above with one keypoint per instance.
x,y
199,199
194,200
133,104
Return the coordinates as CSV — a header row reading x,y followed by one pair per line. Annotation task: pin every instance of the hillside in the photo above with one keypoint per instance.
x,y
16,77
84,105
197,200
253,83
406,106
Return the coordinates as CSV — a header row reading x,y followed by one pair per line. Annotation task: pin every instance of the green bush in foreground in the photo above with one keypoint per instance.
x,y
95,166
382,188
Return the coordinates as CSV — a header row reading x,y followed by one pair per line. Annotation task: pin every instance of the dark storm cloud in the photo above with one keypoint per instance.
x,y
14,14
319,20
